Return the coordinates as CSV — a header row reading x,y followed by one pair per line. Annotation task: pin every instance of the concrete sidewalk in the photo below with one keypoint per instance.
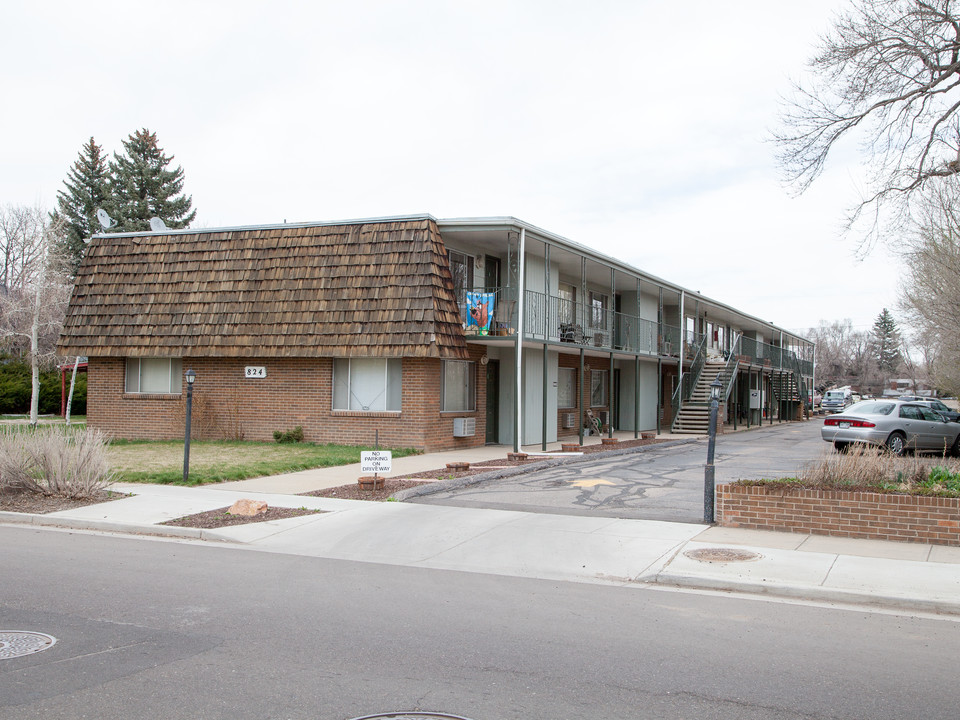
x,y
904,576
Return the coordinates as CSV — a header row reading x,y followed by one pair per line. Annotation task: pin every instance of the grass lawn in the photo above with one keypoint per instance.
x,y
219,461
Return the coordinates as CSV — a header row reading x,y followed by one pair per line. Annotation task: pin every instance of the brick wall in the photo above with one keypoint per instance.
x,y
879,516
296,391
573,361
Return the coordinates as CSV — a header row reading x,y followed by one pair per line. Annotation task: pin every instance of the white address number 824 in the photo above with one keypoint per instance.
x,y
252,371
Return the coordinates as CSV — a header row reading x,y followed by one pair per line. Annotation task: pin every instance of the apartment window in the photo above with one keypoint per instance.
x,y
461,267
161,376
599,304
367,384
568,304
598,388
459,386
566,388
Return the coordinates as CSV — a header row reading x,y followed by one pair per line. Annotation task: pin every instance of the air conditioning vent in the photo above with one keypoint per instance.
x,y
569,420
464,427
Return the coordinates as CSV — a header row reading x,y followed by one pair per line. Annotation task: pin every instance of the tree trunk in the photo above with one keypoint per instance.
x,y
73,382
35,343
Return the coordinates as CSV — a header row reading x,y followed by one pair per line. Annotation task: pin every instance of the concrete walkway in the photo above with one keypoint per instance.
x,y
631,553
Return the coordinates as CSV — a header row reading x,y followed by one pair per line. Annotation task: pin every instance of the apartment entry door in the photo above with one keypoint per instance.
x,y
492,436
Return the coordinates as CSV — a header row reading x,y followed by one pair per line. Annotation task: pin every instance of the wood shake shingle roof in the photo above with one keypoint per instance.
x,y
379,289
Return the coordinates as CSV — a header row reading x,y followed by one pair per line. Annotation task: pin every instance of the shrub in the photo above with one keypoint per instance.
x,y
873,469
55,461
15,389
289,436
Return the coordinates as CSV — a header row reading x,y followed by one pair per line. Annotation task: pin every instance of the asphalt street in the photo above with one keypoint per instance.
x,y
663,482
183,631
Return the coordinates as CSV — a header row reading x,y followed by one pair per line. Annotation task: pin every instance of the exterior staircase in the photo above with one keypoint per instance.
x,y
785,387
694,415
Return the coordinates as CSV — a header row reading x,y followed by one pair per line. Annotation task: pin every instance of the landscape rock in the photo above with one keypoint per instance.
x,y
248,508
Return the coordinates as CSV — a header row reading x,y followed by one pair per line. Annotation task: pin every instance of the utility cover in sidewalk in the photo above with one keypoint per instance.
x,y
411,716
16,643
722,555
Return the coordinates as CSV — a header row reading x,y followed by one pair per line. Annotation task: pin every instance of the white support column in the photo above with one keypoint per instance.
x,y
519,354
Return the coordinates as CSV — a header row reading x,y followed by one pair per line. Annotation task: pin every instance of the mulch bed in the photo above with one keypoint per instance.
x,y
30,502
220,518
354,492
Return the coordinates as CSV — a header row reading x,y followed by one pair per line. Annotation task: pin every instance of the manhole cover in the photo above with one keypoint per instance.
x,y
16,643
411,716
722,555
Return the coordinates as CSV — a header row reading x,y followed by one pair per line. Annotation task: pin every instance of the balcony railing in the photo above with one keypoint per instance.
x,y
552,319
557,320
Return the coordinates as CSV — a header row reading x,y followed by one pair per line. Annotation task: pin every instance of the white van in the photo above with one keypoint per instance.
x,y
837,400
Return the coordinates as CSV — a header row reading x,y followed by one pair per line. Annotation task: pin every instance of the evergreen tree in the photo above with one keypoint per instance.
x,y
885,338
86,190
143,187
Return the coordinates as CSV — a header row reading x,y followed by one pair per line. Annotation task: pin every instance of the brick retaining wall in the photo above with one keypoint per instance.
x,y
880,516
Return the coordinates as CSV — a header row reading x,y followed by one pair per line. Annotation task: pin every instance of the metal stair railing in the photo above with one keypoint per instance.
x,y
730,369
689,381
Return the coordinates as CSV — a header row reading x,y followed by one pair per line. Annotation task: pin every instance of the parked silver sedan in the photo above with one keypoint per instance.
x,y
900,426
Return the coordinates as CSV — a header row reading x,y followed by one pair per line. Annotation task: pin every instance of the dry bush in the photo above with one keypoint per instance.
x,y
55,461
872,468
231,426
203,419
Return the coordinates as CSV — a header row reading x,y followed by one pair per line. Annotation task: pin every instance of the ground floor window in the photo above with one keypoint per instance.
x,y
367,384
154,375
566,388
598,388
459,386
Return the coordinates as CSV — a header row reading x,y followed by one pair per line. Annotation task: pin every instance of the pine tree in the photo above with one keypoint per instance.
x,y
86,190
142,187
885,338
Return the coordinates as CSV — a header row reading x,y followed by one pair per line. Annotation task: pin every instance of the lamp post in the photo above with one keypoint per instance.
x,y
189,376
709,483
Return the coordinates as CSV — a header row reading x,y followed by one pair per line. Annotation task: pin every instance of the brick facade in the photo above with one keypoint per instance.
x,y
569,360
296,391
878,516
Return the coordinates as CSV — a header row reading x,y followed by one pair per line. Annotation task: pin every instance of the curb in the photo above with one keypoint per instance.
x,y
430,488
113,527
805,592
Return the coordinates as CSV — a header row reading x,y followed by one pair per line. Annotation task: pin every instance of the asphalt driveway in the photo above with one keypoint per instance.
x,y
660,482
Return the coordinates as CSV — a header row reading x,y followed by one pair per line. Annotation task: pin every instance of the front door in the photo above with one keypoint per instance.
x,y
493,403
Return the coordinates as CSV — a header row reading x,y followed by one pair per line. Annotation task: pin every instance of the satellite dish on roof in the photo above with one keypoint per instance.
x,y
105,222
156,224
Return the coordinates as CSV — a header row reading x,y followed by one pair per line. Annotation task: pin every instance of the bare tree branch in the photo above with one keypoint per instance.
x,y
888,74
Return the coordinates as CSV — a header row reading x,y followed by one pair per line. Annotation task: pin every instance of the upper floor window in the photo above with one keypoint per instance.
x,y
599,306
461,267
568,304
367,384
154,375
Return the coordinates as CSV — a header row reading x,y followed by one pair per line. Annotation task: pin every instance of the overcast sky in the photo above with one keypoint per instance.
x,y
639,128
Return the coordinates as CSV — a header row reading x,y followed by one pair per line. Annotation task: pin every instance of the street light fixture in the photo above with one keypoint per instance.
x,y
190,376
709,478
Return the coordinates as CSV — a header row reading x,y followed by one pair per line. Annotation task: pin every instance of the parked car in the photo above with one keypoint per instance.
x,y
895,424
836,400
951,415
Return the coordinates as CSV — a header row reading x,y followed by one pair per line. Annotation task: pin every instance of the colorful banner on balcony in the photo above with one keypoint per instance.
x,y
480,311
